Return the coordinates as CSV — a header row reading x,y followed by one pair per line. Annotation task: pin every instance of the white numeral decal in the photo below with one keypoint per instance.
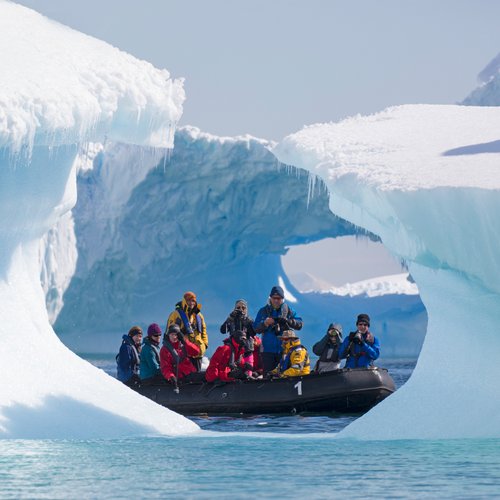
x,y
298,385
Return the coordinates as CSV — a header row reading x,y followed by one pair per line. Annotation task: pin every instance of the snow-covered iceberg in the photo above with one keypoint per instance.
x,y
426,179
59,89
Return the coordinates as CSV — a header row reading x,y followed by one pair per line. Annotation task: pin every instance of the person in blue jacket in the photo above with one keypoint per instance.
x,y
128,358
361,348
272,319
150,356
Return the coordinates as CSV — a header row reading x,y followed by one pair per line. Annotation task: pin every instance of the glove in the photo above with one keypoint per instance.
x,y
236,373
173,379
180,336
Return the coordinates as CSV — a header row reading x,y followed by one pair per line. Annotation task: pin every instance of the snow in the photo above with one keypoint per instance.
x,y
58,90
426,180
397,284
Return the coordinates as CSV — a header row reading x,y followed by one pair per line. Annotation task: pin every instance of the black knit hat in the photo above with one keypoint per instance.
x,y
363,318
277,290
173,328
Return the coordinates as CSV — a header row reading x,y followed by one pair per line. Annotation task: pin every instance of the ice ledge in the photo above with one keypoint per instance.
x,y
426,179
59,86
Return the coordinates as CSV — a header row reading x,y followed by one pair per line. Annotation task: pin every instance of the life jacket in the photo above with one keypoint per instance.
x,y
285,362
330,353
233,362
175,355
186,323
135,353
156,350
283,312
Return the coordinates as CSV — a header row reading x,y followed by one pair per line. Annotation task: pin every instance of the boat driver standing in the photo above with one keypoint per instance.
x,y
272,319
361,348
191,322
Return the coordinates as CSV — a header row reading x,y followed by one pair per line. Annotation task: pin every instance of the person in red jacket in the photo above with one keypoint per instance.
x,y
227,363
175,354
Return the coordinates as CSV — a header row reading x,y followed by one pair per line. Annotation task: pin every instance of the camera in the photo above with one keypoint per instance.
x,y
357,339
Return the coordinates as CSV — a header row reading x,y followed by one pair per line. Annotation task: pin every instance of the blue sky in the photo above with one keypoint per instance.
x,y
268,67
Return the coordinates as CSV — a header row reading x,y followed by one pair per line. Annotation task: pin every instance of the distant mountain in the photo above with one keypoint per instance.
x,y
488,91
306,282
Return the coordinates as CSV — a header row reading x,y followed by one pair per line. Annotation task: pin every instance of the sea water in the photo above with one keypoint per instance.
x,y
255,457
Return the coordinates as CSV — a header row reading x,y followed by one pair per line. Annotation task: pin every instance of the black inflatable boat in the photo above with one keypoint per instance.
x,y
346,391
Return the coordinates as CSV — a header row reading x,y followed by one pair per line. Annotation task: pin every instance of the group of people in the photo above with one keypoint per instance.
x,y
278,352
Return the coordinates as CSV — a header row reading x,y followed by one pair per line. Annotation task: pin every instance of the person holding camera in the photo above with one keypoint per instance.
x,y
273,319
239,321
328,349
361,348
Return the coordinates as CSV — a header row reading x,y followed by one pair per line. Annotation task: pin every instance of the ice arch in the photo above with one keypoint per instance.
x,y
58,89
390,173
215,217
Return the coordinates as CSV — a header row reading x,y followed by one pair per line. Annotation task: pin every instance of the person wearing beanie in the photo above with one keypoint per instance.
x,y
239,321
361,348
272,319
328,349
176,354
128,358
150,356
191,322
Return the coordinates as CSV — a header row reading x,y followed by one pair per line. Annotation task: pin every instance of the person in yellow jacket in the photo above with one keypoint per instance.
x,y
188,317
294,359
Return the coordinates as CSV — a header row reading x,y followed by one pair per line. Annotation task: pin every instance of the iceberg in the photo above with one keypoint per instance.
x,y
488,91
216,216
426,179
60,90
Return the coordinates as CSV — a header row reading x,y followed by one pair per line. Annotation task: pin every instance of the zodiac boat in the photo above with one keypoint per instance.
x,y
344,391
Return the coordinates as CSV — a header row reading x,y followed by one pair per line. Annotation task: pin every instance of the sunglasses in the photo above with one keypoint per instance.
x,y
156,335
362,323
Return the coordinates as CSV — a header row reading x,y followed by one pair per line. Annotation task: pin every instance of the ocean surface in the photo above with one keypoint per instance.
x,y
254,457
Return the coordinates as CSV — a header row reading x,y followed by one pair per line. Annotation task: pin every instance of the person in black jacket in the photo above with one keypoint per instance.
x,y
328,349
238,321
